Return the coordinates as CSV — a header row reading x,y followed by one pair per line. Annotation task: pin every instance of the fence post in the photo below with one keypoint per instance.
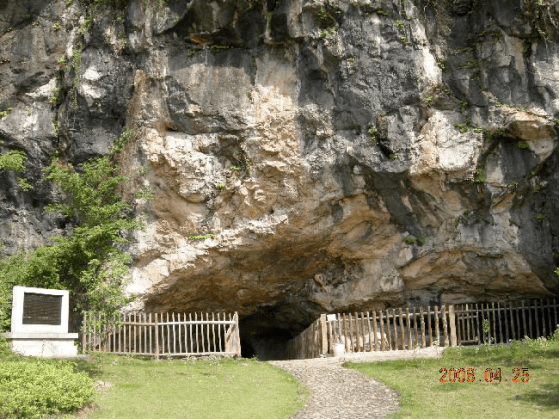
x,y
324,339
84,332
444,314
156,354
237,339
452,329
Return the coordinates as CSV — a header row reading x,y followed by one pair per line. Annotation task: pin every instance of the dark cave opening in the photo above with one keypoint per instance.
x,y
264,343
262,338
247,350
267,331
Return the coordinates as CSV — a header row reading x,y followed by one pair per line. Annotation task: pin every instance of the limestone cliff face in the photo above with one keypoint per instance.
x,y
346,155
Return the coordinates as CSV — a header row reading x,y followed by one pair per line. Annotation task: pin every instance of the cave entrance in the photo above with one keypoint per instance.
x,y
247,350
265,337
265,333
263,343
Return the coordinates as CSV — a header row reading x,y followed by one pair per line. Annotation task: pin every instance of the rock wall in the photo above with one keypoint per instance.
x,y
307,156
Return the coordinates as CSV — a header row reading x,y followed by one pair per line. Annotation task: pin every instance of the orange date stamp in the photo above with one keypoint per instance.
x,y
469,375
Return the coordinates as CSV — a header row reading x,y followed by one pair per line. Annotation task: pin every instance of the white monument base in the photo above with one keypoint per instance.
x,y
44,345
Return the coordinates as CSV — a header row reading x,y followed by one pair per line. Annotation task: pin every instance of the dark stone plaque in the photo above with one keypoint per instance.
x,y
41,309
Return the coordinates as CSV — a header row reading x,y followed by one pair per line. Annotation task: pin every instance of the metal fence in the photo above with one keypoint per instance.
x,y
163,334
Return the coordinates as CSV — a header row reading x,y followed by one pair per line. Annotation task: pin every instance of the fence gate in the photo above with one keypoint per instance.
x,y
163,334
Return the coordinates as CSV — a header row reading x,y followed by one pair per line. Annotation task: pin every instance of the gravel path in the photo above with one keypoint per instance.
x,y
340,393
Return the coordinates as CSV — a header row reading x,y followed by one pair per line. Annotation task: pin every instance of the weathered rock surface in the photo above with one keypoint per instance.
x,y
345,154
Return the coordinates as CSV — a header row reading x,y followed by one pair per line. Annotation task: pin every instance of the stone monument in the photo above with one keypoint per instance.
x,y
40,323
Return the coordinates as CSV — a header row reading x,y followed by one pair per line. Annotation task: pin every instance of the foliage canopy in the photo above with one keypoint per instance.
x,y
90,262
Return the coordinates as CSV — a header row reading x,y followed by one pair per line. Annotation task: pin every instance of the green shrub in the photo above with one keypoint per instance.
x,y
40,388
13,160
480,177
208,235
410,240
218,48
24,184
329,32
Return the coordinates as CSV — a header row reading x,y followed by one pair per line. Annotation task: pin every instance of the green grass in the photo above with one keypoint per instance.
x,y
188,388
422,395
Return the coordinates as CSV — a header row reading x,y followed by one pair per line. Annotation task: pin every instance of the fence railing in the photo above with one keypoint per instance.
x,y
505,321
310,343
409,328
390,329
163,334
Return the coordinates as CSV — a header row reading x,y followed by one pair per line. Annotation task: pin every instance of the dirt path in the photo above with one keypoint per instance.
x,y
340,393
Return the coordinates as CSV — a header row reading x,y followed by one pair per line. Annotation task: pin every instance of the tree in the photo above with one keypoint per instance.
x,y
90,262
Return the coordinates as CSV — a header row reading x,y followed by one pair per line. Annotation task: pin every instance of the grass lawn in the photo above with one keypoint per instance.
x,y
219,388
423,395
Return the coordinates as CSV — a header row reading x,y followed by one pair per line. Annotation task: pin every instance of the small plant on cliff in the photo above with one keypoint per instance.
x,y
199,237
463,128
410,240
124,138
329,32
324,16
6,112
373,134
14,160
145,193
522,144
88,20
142,171
220,186
76,61
219,48
480,177
53,98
